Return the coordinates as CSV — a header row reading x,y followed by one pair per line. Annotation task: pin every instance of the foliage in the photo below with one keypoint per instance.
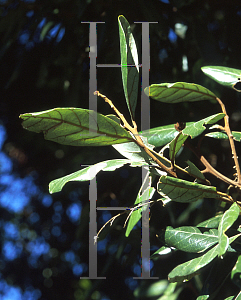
x,y
217,243
214,240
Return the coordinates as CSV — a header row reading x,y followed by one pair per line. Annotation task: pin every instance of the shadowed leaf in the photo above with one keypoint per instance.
x,y
176,145
190,268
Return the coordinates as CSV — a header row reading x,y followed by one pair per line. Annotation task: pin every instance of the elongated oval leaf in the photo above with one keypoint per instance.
x,y
87,173
194,171
189,239
222,135
160,136
70,126
190,268
223,75
184,191
211,223
136,214
129,64
228,218
176,145
178,92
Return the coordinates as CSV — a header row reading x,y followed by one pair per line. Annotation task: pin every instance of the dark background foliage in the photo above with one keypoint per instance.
x,y
44,63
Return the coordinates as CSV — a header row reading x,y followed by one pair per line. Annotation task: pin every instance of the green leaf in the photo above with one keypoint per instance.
x,y
134,152
211,223
184,191
197,128
153,290
222,135
236,273
160,136
87,173
178,92
176,145
190,268
203,297
223,75
218,274
192,169
129,64
163,251
71,126
228,218
190,239
136,214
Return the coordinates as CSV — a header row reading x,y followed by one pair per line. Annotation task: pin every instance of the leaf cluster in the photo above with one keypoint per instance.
x,y
213,241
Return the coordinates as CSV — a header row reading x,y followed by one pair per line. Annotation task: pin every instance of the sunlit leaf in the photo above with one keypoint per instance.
x,y
203,297
197,128
129,64
133,151
160,136
184,191
223,75
163,251
178,92
176,145
71,126
87,173
211,223
190,239
228,218
136,214
222,135
190,268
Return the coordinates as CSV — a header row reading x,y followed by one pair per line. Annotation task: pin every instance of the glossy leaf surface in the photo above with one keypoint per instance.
x,y
223,75
228,218
71,126
184,191
129,64
190,239
212,222
222,135
87,173
190,268
160,136
178,92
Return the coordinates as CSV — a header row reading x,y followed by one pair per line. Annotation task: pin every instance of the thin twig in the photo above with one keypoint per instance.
x,y
231,140
135,133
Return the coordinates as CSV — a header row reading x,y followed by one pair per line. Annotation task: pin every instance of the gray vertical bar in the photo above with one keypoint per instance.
x,y
92,130
145,125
